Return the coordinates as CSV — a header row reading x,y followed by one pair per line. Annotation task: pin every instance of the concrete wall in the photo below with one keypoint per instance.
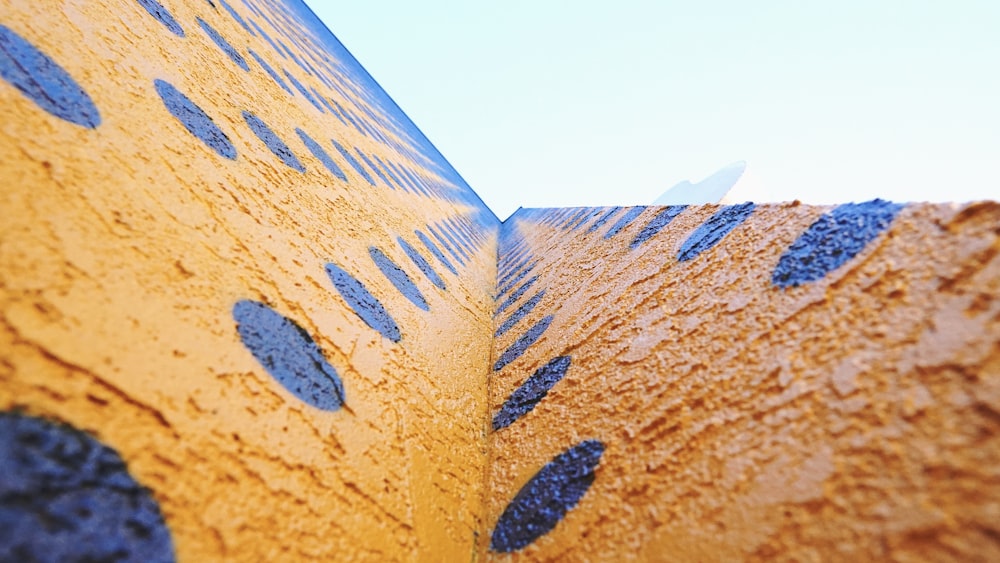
x,y
248,312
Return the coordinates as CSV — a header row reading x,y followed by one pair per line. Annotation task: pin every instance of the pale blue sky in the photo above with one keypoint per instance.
x,y
601,103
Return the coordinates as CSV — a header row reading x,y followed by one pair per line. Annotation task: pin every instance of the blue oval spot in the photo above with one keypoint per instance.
x,y
421,262
321,154
353,162
363,303
515,296
603,219
43,81
196,121
544,500
64,496
271,140
709,233
519,314
832,240
662,219
531,392
224,45
435,251
625,220
398,278
521,345
288,354
157,10
267,68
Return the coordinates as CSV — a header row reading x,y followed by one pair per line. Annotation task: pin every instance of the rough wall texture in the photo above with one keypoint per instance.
x,y
248,312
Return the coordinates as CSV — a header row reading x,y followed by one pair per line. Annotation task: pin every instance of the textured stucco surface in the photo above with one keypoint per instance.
x,y
854,417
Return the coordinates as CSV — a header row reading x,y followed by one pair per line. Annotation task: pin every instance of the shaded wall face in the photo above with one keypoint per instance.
x,y
746,383
231,260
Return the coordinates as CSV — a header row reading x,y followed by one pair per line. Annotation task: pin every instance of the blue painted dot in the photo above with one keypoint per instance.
x,y
421,262
662,219
43,81
157,10
625,220
398,278
516,295
521,345
267,68
64,496
531,392
521,312
224,45
435,251
603,219
321,154
271,140
196,121
544,500
714,230
353,162
832,240
363,303
288,354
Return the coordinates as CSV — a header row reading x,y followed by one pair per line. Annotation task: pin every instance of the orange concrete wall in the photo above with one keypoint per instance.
x,y
249,313
779,382
145,257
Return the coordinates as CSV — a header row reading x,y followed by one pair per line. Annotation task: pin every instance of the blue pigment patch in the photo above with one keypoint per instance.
x,y
302,90
398,278
515,296
510,285
64,496
224,45
445,244
421,263
321,154
353,162
373,167
236,16
288,354
531,392
603,219
363,303
544,500
832,240
662,219
714,230
521,345
43,81
196,121
267,68
625,220
271,140
436,251
521,312
164,16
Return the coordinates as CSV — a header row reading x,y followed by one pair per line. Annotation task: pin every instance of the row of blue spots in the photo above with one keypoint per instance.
x,y
625,220
709,233
519,314
515,296
587,218
372,166
603,219
398,278
429,244
68,497
44,82
509,284
444,243
521,345
546,498
458,244
506,274
656,224
288,354
421,262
